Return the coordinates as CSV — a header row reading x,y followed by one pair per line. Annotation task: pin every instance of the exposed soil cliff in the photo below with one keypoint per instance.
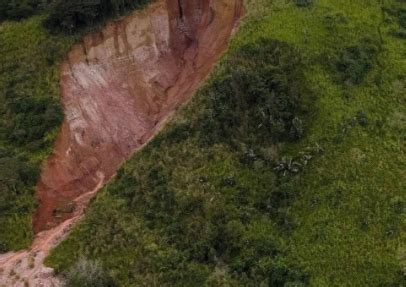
x,y
119,87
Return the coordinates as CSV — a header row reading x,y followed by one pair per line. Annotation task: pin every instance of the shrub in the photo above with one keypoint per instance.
x,y
88,274
402,18
282,275
353,63
18,9
259,98
32,119
399,34
362,119
332,20
70,16
303,3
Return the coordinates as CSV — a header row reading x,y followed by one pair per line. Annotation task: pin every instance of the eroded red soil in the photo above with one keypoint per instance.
x,y
120,85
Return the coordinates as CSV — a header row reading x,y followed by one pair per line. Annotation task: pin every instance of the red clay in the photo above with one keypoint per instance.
x,y
119,87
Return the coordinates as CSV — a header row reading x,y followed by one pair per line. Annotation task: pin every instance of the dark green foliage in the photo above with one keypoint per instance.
x,y
303,3
353,63
17,178
70,16
402,18
362,119
31,119
18,9
16,172
259,97
332,20
30,115
399,34
397,10
282,275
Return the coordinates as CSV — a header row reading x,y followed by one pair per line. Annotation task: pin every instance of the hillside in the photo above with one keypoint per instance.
x,y
204,204
286,168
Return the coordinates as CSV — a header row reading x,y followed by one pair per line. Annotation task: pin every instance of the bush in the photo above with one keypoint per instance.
x,y
70,16
15,175
303,3
32,119
332,20
399,34
353,63
88,274
282,275
18,9
259,98
402,18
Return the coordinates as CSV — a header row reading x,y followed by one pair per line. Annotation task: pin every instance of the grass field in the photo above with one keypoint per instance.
x,y
210,204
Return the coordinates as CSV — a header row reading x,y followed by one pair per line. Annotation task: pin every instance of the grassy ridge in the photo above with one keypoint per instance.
x,y
29,119
208,203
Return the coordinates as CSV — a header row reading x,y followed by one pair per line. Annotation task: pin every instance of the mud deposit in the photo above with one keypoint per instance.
x,y
119,87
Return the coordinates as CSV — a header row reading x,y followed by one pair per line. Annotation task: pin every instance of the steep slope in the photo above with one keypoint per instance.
x,y
119,87
204,204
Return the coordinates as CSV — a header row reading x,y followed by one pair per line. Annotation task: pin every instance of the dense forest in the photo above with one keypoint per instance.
x,y
285,169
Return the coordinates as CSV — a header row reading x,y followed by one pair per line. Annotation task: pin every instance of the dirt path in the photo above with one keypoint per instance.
x,y
118,87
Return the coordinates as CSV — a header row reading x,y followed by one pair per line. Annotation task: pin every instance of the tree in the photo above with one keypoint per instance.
x,y
18,9
73,15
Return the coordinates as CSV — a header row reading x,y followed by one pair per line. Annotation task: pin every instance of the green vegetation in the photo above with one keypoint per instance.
x,y
30,112
303,3
258,98
29,120
353,63
18,9
87,274
71,16
68,16
286,169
